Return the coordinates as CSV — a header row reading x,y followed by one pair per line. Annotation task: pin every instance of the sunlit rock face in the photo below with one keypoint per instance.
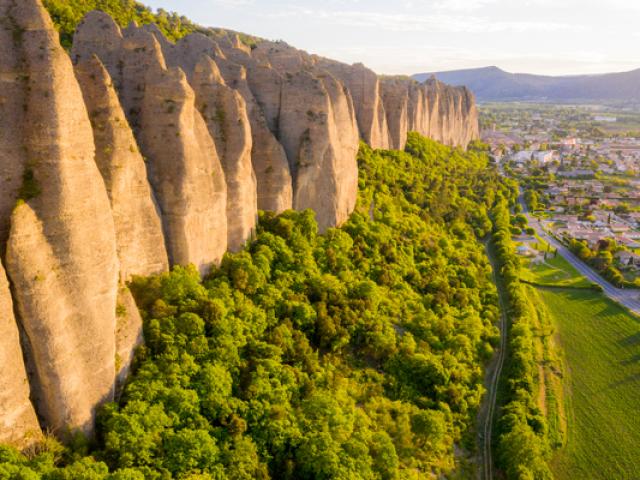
x,y
183,164
61,249
438,111
149,154
18,422
273,180
225,113
140,241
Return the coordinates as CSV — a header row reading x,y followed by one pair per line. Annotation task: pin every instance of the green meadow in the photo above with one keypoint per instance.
x,y
594,414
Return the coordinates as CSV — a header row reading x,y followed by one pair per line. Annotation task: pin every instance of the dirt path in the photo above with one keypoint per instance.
x,y
494,370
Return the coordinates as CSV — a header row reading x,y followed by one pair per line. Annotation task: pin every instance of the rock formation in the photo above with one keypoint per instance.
x,y
13,82
364,86
184,168
225,112
128,335
18,422
438,111
61,251
395,95
318,131
139,238
274,182
433,109
140,242
185,171
153,154
312,115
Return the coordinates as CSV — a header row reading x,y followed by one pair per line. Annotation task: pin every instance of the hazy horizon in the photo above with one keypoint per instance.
x,y
546,37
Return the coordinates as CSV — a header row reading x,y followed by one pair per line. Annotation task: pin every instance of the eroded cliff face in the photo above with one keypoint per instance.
x,y
13,82
389,107
319,134
311,113
184,168
269,161
61,250
140,242
225,112
153,154
18,422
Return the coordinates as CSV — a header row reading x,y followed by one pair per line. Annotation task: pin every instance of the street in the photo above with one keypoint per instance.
x,y
625,297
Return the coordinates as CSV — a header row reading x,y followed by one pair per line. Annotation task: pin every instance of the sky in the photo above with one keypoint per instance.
x,y
553,37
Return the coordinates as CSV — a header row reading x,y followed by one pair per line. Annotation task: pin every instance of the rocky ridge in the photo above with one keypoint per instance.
x,y
134,154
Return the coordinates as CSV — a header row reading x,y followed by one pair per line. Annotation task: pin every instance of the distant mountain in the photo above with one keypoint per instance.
x,y
492,83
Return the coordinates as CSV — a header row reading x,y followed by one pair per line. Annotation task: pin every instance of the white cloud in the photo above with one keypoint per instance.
x,y
540,36
462,5
404,22
233,3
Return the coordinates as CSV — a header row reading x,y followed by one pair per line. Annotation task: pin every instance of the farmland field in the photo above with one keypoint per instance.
x,y
593,354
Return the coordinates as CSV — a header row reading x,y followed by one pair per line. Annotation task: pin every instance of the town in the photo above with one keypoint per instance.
x,y
579,169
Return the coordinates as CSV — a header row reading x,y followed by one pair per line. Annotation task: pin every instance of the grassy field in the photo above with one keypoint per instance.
x,y
553,271
591,371
601,348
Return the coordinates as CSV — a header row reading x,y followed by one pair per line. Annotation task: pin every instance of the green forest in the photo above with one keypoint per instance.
x,y
67,14
357,354
523,446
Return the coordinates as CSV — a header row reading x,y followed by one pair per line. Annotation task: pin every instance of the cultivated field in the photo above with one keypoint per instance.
x,y
601,348
592,377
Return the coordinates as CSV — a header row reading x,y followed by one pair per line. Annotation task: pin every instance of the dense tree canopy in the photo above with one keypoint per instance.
x,y
523,445
66,15
357,354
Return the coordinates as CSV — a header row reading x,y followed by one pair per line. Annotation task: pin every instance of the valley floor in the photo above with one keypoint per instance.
x,y
600,341
590,378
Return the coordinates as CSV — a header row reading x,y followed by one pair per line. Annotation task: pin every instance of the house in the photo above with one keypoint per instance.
x,y
525,251
628,242
619,228
592,238
577,173
524,156
626,258
544,157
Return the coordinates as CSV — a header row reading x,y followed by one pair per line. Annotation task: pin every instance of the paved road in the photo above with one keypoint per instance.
x,y
630,298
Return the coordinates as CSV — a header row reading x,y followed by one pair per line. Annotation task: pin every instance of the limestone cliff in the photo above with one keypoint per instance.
x,y
61,251
139,238
395,97
128,336
444,113
18,422
312,115
140,242
152,154
318,131
364,86
225,112
184,169
273,178
438,111
13,82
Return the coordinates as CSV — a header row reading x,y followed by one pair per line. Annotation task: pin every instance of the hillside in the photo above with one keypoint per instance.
x,y
494,84
128,153
354,354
